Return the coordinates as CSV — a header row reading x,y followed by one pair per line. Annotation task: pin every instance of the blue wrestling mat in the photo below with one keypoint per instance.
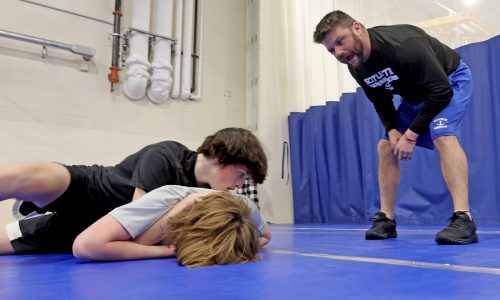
x,y
301,262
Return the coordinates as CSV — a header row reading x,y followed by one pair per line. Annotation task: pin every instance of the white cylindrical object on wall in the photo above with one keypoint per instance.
x,y
134,86
187,50
177,50
161,78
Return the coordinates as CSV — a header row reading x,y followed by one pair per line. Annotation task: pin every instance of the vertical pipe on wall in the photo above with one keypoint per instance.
x,y
115,58
187,50
252,65
137,62
161,78
177,49
198,50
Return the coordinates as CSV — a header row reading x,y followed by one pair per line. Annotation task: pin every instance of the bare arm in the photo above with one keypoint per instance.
x,y
106,239
157,232
266,237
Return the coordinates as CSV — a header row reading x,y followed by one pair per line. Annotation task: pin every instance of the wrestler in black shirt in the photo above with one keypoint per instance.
x,y
404,60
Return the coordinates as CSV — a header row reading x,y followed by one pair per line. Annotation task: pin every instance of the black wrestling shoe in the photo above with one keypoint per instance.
x,y
382,228
460,231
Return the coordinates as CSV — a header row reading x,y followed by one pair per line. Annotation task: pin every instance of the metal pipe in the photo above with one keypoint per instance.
x,y
116,33
198,51
153,34
194,56
86,52
176,88
67,11
187,49
115,54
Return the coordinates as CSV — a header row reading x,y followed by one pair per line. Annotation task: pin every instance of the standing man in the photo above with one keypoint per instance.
x,y
79,195
436,87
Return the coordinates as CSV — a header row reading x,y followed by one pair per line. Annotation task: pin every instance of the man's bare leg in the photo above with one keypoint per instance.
x,y
461,229
455,171
388,177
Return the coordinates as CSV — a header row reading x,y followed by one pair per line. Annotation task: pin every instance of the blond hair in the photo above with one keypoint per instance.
x,y
214,231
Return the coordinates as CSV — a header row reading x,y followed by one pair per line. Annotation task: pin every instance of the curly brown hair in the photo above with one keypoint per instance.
x,y
237,146
329,22
214,231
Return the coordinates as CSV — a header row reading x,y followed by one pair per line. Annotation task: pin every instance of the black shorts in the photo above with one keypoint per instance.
x,y
49,233
76,209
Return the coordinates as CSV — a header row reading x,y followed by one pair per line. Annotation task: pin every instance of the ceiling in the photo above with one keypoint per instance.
x,y
454,22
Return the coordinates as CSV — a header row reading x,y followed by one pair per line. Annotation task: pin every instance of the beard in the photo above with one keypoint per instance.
x,y
358,48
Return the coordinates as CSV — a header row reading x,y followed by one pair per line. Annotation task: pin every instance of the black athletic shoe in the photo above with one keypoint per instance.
x,y
460,231
382,228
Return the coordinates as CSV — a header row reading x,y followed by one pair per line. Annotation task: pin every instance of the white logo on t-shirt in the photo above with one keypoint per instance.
x,y
384,77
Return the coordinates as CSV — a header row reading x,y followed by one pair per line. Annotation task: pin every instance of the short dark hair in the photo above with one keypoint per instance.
x,y
237,146
329,22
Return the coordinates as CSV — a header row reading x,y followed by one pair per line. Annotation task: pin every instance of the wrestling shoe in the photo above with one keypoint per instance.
x,y
382,228
22,209
460,231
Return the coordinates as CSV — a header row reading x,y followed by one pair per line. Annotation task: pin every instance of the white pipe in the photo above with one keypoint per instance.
x,y
177,50
187,50
161,78
137,63
199,43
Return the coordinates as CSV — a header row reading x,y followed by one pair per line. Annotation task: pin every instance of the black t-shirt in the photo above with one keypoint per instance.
x,y
164,163
96,190
404,60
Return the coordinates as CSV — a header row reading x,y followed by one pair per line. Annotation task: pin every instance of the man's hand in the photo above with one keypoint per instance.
x,y
394,137
405,144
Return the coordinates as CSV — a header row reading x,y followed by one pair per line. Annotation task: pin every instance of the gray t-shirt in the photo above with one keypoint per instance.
x,y
136,217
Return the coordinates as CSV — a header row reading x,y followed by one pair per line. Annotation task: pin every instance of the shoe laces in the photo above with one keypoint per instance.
x,y
456,222
377,220
380,216
380,220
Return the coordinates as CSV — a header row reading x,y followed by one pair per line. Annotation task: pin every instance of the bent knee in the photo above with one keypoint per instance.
x,y
384,147
445,141
37,182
